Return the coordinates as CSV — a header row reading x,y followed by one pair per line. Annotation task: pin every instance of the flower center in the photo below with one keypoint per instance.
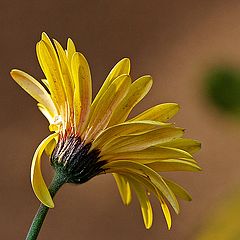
x,y
73,158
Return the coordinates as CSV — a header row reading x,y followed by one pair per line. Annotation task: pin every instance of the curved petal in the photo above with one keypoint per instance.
x,y
144,203
83,90
145,171
51,68
188,145
39,186
137,91
68,83
108,102
70,49
35,89
143,141
121,68
124,188
162,112
178,190
166,212
124,129
46,113
151,153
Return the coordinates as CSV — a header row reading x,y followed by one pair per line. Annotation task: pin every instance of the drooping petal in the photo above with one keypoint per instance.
x,y
124,129
136,93
143,141
83,90
162,112
38,183
155,178
107,103
123,187
121,68
144,203
35,89
166,213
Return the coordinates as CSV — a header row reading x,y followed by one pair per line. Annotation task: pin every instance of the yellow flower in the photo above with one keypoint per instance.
x,y
94,137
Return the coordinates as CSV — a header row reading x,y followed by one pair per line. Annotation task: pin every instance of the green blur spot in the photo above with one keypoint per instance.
x,y
223,88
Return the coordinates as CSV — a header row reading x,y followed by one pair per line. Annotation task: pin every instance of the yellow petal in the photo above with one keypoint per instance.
x,y
162,112
51,68
144,203
136,93
124,188
143,141
124,129
108,102
46,113
166,212
151,188
83,90
167,165
35,89
149,154
70,49
39,186
143,170
45,82
179,191
68,83
188,145
121,68
50,147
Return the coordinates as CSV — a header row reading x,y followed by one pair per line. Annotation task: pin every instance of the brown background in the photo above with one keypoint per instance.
x,y
175,42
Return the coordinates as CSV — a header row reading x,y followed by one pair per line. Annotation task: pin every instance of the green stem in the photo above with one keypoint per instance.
x,y
57,182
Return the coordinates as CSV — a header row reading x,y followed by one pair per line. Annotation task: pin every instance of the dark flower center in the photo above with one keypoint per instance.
x,y
74,160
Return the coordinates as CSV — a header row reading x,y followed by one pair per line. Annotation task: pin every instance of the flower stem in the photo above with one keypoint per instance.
x,y
57,182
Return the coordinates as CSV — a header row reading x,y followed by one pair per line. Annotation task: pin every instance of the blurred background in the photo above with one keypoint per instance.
x,y
192,50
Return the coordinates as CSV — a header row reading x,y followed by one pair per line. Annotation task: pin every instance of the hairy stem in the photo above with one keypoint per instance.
x,y
57,182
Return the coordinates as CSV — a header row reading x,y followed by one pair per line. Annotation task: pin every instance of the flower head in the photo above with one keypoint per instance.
x,y
92,137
